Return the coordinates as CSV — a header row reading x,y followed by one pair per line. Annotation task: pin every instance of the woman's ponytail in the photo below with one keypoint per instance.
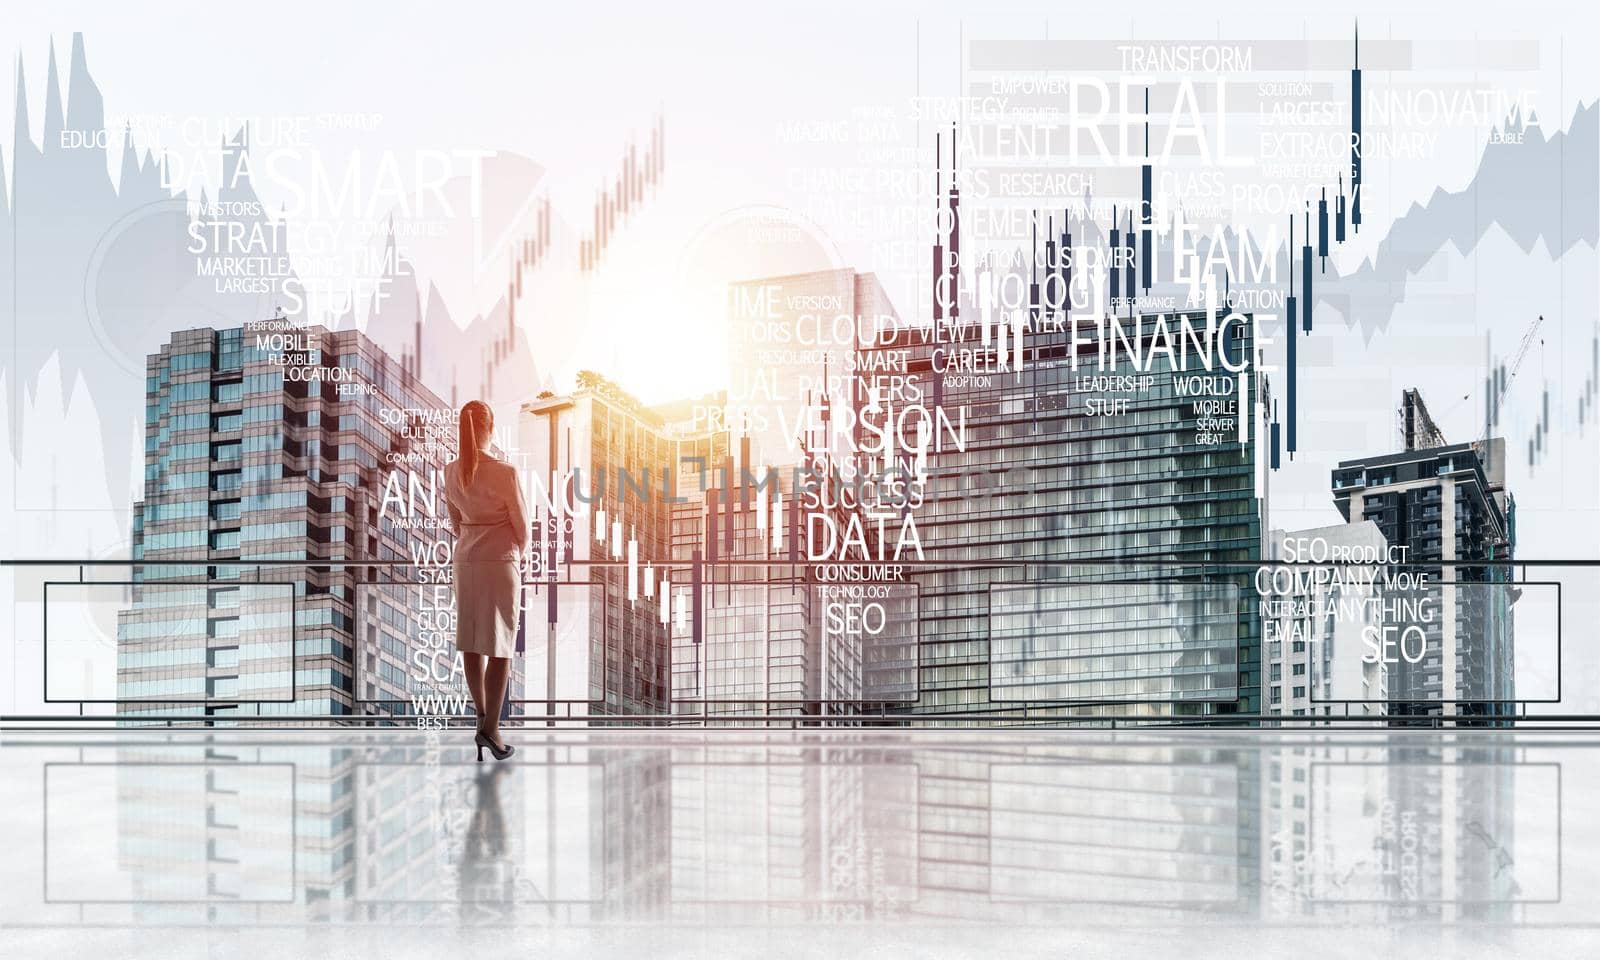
x,y
476,422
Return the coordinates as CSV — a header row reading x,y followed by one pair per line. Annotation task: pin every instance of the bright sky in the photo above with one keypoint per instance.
x,y
568,85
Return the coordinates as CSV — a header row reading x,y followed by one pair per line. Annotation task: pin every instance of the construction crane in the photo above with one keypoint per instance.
x,y
1417,428
1498,391
1498,396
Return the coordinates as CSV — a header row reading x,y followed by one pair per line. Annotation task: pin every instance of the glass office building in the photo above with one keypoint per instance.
x,y
775,636
755,649
791,342
760,647
603,456
744,635
1078,521
274,456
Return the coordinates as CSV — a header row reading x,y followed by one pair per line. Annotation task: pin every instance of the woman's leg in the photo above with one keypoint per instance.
x,y
496,676
473,664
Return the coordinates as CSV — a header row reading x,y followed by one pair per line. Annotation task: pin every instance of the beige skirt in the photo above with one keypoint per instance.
x,y
486,607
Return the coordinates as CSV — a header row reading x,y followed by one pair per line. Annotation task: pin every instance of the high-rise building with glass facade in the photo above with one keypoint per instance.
x,y
792,343
760,647
740,630
275,455
775,635
755,648
1087,517
1446,505
603,456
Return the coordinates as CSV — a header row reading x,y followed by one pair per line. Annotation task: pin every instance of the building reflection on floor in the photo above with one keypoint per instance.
x,y
989,829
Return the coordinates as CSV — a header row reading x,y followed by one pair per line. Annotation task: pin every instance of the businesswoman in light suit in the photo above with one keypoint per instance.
x,y
491,522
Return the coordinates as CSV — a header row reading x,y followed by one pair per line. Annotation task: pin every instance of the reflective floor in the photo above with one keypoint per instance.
x,y
287,843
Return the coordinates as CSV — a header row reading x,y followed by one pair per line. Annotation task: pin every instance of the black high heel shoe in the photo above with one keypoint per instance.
x,y
500,752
